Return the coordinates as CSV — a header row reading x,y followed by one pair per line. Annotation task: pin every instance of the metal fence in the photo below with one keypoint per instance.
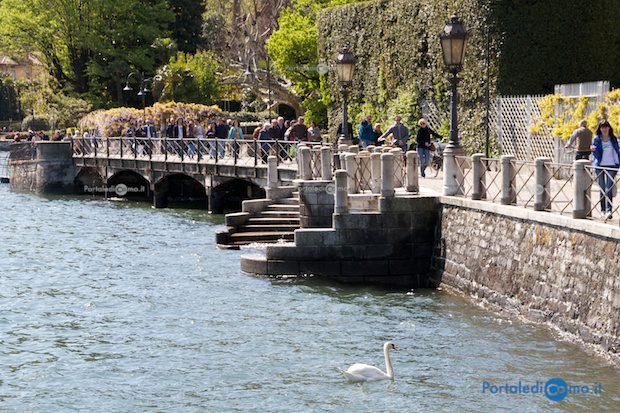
x,y
542,185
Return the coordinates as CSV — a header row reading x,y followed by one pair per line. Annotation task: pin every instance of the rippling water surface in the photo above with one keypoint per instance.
x,y
109,306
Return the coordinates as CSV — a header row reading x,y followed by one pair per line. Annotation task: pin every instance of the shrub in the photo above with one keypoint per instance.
x,y
37,122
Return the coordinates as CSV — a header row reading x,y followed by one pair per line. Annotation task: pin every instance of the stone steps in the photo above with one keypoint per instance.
x,y
276,222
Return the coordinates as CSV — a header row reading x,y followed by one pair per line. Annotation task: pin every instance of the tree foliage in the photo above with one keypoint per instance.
x,y
86,45
191,78
187,25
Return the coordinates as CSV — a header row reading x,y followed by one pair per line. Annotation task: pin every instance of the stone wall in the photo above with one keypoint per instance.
x,y
544,267
42,167
391,246
316,203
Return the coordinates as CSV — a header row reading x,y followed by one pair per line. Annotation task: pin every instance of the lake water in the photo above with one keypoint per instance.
x,y
118,307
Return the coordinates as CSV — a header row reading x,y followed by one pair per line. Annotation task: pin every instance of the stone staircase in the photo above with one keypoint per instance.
x,y
261,221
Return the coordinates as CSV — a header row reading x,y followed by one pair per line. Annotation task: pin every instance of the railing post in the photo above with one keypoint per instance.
x,y
326,163
94,145
509,193
387,175
135,148
305,164
255,152
234,148
120,141
351,166
341,195
277,146
353,149
375,172
478,171
166,149
198,150
413,161
542,200
452,173
217,149
182,148
107,147
272,172
581,184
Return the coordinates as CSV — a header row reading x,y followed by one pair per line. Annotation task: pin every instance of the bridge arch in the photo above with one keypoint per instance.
x,y
180,190
129,184
229,195
88,180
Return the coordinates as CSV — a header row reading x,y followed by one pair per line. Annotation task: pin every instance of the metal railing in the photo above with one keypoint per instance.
x,y
222,151
580,190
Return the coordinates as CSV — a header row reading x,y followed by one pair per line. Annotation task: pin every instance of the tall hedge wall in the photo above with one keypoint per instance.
x,y
533,44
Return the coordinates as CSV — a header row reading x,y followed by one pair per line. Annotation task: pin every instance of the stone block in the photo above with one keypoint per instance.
x,y
365,268
278,267
321,268
358,220
254,264
315,237
236,219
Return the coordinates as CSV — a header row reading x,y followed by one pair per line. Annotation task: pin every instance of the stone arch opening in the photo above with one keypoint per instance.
x,y
89,181
286,111
129,185
180,191
227,197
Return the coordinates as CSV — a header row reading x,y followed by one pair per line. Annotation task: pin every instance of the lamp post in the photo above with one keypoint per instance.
x,y
345,69
453,38
143,89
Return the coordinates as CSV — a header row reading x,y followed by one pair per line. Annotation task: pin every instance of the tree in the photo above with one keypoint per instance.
x,y
88,46
191,78
187,26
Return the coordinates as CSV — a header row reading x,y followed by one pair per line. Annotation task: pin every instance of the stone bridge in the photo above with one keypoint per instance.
x,y
209,173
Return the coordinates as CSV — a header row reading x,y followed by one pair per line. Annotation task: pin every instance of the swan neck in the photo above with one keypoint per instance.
x,y
388,363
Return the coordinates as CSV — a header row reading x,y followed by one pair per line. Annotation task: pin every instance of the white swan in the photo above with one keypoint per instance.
x,y
363,372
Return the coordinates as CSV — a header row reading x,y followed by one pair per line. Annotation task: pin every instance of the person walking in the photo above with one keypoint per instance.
x,y
235,134
607,160
366,132
301,130
423,139
400,133
582,136
377,134
314,132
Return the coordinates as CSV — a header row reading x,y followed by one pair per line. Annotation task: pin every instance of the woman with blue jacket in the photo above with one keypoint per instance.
x,y
606,155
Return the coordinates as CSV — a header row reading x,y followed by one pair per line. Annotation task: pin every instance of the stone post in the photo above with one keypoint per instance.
x,y
351,165
340,196
305,156
509,193
581,184
370,148
343,148
387,175
452,174
326,163
413,163
375,172
542,200
353,149
478,171
272,172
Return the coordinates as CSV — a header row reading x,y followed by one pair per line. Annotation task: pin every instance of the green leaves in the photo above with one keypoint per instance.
x,y
191,78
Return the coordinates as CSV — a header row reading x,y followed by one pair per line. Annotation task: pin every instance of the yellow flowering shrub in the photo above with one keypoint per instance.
x,y
562,114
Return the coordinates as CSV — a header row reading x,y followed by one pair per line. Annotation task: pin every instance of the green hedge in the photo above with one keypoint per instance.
x,y
533,45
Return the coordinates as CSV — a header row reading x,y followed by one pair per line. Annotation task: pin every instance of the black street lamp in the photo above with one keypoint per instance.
x,y
345,70
453,39
143,89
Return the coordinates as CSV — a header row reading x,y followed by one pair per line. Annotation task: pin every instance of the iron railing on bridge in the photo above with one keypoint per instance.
x,y
221,151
